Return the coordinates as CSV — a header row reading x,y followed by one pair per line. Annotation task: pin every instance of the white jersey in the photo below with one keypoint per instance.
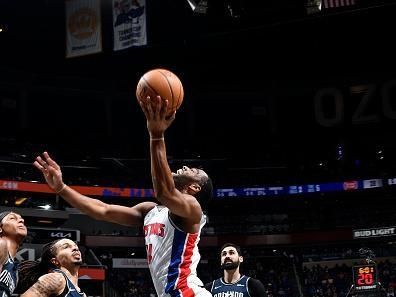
x,y
172,256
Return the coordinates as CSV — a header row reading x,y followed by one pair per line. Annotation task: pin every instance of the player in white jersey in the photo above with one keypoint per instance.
x,y
172,254
172,229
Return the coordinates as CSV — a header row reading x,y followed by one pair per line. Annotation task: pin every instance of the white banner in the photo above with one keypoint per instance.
x,y
83,27
374,232
129,263
129,23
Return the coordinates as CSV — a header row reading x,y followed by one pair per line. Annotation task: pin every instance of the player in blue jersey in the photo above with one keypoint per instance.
x,y
233,283
12,232
56,274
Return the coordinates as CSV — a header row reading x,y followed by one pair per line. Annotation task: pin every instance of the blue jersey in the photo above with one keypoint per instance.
x,y
8,277
223,289
70,290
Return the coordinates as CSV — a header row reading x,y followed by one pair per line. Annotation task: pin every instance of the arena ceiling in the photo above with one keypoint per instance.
x,y
252,71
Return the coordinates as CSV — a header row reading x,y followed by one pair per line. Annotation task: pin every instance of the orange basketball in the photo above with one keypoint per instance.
x,y
164,83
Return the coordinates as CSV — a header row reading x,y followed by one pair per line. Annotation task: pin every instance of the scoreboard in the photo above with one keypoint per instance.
x,y
365,277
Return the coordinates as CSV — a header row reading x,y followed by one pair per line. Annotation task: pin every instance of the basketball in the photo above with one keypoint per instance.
x,y
164,83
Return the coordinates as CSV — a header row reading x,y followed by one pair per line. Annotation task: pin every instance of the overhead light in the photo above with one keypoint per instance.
x,y
201,7
20,200
3,28
192,3
46,207
45,221
313,6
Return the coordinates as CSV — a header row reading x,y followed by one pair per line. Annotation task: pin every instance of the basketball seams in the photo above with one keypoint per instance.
x,y
179,98
164,83
170,88
150,86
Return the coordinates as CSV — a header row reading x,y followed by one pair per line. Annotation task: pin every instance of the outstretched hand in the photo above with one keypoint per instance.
x,y
51,172
155,110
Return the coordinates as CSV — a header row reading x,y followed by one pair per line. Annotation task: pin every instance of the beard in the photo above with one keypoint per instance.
x,y
180,181
78,263
230,265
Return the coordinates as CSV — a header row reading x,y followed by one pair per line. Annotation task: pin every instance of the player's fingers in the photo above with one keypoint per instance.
x,y
164,107
50,161
143,107
43,163
38,166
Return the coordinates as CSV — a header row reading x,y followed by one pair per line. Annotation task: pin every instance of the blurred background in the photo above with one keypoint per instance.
x,y
289,105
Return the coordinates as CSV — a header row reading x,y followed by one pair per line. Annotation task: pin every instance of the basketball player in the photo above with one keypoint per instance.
x,y
171,229
12,232
56,274
233,283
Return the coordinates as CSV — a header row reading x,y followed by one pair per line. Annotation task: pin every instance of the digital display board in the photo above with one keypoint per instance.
x,y
365,277
255,191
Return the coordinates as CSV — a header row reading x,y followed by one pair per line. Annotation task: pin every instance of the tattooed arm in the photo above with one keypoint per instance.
x,y
50,284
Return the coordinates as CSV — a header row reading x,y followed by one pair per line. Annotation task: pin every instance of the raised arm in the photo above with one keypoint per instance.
x,y
50,284
92,207
180,204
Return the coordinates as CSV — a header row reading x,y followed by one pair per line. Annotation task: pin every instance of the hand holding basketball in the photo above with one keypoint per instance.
x,y
164,83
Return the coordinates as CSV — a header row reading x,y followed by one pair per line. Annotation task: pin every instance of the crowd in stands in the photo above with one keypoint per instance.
x,y
284,273
131,282
325,281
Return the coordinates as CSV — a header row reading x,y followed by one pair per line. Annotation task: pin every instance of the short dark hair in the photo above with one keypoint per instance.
x,y
237,247
2,216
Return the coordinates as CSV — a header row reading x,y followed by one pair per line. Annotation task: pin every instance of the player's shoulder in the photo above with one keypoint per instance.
x,y
256,287
53,281
145,207
54,275
252,279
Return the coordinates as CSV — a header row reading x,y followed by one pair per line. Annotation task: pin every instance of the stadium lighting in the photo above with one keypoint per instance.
x,y
200,7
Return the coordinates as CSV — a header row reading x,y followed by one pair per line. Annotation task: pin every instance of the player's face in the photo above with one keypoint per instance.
x,y
185,176
67,253
191,174
230,259
13,224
